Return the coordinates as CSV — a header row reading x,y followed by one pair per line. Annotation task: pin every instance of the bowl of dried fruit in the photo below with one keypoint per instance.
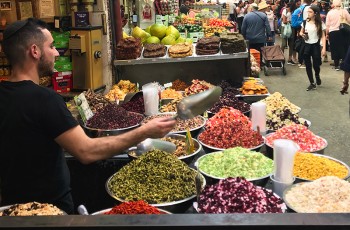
x,y
181,151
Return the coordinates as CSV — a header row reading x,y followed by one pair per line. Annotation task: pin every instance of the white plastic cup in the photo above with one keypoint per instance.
x,y
279,187
151,99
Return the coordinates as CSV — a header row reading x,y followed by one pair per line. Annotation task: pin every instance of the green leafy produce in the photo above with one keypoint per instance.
x,y
236,162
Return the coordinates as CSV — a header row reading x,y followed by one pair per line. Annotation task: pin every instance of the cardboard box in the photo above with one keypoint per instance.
x,y
63,66
160,19
62,81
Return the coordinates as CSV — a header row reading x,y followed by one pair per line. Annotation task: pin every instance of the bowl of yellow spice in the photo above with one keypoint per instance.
x,y
311,166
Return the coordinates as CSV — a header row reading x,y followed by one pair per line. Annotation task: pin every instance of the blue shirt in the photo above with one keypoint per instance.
x,y
255,27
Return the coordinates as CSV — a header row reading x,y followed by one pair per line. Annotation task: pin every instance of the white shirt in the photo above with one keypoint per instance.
x,y
270,17
305,14
287,14
311,29
231,5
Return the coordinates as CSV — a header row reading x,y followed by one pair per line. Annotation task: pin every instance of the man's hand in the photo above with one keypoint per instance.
x,y
159,127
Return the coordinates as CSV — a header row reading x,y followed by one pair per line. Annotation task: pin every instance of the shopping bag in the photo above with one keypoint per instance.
x,y
287,31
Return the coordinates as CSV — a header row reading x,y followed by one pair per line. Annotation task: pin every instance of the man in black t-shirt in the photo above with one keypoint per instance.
x,y
35,125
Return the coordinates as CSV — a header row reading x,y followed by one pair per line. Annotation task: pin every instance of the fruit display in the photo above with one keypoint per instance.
x,y
129,48
307,140
197,87
154,50
208,46
219,22
119,90
212,30
253,87
180,50
171,93
276,101
232,43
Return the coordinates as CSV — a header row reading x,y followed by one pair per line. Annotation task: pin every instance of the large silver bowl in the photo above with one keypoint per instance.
x,y
269,148
92,132
256,148
260,181
178,206
3,208
187,159
102,212
299,179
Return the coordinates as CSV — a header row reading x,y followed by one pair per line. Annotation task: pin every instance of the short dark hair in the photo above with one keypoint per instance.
x,y
21,34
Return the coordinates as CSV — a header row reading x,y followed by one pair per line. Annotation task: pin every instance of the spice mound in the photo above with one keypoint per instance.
x,y
181,125
155,177
179,85
236,162
230,128
136,104
280,117
276,100
197,87
171,93
309,166
133,207
32,209
325,195
96,100
113,117
228,101
307,141
169,107
237,195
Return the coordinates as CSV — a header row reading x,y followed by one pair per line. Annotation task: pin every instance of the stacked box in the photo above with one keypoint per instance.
x,y
62,80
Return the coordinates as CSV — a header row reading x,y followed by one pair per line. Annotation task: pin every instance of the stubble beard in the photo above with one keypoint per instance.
x,y
44,67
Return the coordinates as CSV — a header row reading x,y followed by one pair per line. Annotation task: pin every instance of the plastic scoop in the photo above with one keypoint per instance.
x,y
194,105
151,144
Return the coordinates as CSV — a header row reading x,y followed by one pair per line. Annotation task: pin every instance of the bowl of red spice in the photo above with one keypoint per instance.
x,y
132,208
110,121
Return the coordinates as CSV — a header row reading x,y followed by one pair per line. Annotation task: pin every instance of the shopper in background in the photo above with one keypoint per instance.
x,y
271,17
345,66
185,7
313,32
338,41
232,10
240,11
256,28
35,125
323,13
286,17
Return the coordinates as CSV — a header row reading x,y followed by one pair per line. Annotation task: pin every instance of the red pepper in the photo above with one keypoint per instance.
x,y
134,207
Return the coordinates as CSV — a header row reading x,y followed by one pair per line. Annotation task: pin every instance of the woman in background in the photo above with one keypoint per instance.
x,y
338,41
271,17
345,66
313,33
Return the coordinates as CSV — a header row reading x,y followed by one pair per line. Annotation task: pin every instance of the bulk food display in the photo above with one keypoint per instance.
x,y
31,209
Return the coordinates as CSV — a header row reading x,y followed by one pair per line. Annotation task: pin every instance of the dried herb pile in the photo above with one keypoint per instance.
x,y
156,177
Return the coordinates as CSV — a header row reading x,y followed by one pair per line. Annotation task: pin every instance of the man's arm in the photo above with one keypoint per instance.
x,y
88,150
244,27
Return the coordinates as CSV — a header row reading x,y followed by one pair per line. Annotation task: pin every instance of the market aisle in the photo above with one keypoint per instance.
x,y
325,107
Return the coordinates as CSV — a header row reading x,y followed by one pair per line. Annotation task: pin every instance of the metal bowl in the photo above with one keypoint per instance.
x,y
194,131
256,148
269,148
298,179
92,132
260,181
102,212
3,208
188,158
178,206
284,206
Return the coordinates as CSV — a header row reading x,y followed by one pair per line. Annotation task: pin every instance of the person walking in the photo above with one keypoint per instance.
x,y
271,17
286,20
338,41
313,31
345,66
35,125
240,12
256,27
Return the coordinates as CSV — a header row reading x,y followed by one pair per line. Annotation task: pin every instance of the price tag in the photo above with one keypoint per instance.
x,y
83,107
168,85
